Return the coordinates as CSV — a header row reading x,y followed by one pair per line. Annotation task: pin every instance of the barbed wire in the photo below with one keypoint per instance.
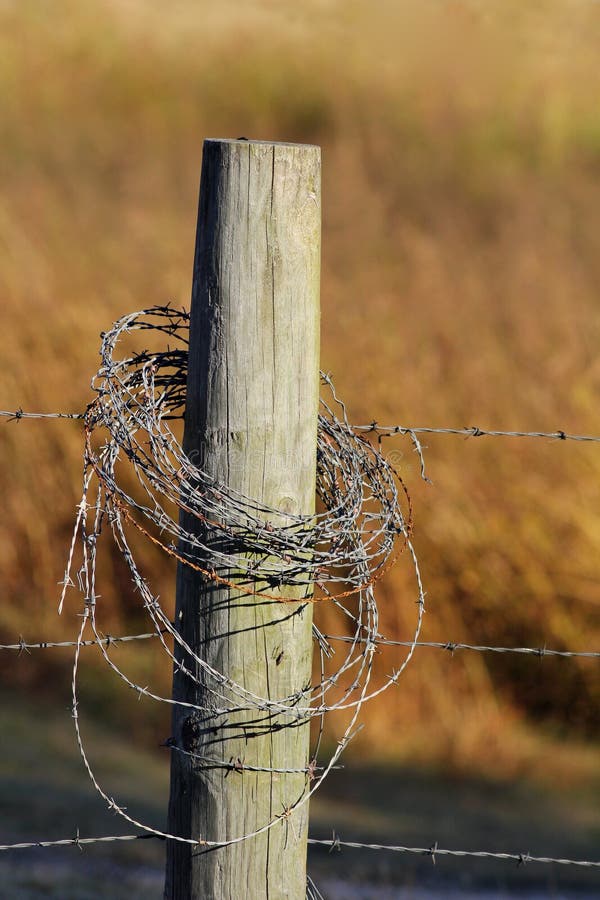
x,y
453,647
335,843
332,843
366,524
80,842
18,414
344,550
23,646
373,427
450,646
473,431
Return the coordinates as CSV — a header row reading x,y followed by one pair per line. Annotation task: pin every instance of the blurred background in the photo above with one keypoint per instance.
x,y
460,286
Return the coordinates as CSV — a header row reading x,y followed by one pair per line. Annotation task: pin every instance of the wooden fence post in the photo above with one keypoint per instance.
x,y
251,423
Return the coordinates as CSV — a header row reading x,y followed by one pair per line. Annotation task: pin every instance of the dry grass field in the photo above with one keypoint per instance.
x,y
461,286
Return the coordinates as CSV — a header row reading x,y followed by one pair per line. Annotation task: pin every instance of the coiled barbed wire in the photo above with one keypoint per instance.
x,y
365,524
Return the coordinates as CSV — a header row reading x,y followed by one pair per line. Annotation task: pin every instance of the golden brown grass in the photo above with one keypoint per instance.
x,y
461,271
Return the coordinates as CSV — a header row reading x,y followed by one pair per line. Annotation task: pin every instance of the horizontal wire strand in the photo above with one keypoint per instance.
x,y
450,646
374,427
333,843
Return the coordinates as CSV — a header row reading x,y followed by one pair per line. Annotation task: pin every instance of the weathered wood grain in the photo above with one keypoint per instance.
x,y
251,422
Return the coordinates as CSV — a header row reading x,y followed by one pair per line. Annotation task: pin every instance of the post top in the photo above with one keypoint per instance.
x,y
245,140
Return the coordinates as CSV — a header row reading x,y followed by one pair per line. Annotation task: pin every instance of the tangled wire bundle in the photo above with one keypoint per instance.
x,y
343,550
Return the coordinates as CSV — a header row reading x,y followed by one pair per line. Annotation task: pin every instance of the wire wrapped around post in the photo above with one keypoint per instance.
x,y
364,525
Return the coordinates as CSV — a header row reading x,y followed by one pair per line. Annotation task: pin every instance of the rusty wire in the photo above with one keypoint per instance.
x,y
344,550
